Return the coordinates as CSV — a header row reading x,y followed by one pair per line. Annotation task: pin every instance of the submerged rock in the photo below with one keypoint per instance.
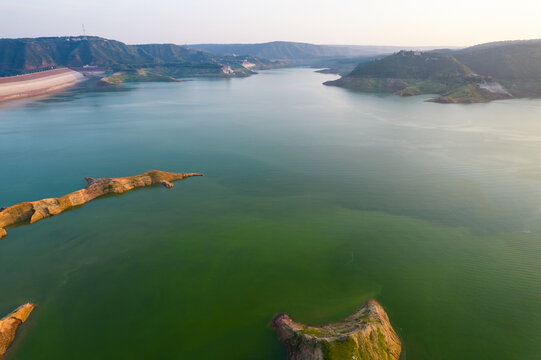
x,y
37,210
365,335
9,325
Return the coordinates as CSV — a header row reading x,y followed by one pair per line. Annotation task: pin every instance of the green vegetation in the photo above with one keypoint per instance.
x,y
313,331
344,350
530,87
469,93
141,75
382,344
414,65
349,349
402,87
517,60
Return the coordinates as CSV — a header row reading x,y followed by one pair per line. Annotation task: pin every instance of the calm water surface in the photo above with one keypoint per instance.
x,y
315,199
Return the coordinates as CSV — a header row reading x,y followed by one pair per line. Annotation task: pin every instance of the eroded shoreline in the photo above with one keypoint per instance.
x,y
366,334
10,324
37,210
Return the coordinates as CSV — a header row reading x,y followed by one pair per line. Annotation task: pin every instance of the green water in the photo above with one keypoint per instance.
x,y
315,199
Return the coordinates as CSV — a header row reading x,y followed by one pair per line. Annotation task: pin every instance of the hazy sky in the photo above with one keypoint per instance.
x,y
380,22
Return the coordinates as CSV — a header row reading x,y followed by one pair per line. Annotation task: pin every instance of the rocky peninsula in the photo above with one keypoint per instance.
x,y
139,75
411,73
365,335
37,210
9,325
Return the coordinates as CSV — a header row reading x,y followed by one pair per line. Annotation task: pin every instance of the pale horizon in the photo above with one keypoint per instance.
x,y
386,23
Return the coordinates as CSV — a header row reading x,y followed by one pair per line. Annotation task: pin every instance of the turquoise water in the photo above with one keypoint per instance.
x,y
315,199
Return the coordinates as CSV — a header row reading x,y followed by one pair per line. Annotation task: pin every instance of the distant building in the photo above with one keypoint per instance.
x,y
226,69
248,65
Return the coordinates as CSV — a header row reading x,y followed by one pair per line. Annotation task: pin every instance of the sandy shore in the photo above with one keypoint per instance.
x,y
41,83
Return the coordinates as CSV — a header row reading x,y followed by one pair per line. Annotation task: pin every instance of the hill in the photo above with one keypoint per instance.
x,y
504,60
26,55
414,65
476,74
515,64
19,56
408,73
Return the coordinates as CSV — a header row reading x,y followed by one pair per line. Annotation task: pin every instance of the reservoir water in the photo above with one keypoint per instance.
x,y
314,200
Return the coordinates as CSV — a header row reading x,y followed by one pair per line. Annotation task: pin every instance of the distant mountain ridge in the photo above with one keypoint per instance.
x,y
297,51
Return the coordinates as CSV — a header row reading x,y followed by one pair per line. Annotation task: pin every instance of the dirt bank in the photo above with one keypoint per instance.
x,y
36,84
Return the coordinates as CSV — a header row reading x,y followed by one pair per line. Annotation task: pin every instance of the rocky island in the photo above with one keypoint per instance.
x,y
9,325
365,335
37,210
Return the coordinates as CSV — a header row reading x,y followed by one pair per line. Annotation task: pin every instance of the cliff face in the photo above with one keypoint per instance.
x,y
365,335
38,210
9,325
